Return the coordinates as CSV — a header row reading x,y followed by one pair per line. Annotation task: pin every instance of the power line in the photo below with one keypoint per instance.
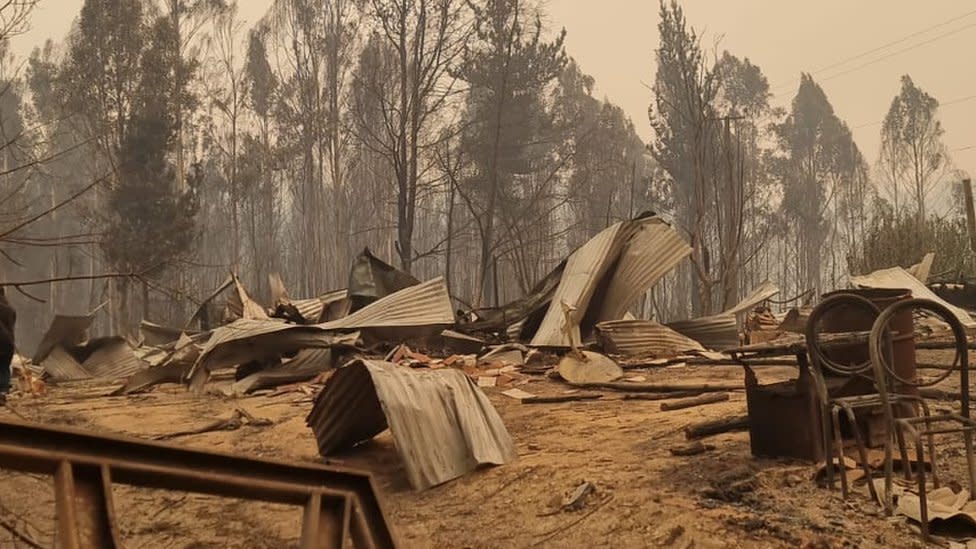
x,y
894,42
941,105
899,52
892,54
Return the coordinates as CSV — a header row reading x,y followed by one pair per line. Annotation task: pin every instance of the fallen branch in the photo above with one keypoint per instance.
x,y
710,398
561,398
658,387
238,419
555,531
11,527
715,427
38,282
661,396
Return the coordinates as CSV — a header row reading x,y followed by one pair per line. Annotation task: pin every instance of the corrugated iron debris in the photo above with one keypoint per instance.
x,y
443,425
393,353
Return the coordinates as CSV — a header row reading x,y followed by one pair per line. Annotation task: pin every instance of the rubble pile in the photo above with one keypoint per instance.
x,y
392,352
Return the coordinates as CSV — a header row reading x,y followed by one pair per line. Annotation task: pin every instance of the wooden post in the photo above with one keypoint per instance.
x,y
967,189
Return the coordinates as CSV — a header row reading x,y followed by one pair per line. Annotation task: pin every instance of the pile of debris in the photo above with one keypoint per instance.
x,y
390,341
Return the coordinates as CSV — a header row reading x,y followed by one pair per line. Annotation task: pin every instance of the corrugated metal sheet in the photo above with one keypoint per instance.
x,y
652,252
59,365
371,278
765,291
310,309
426,304
336,304
443,425
643,337
277,286
640,252
717,332
240,304
65,331
898,278
306,364
113,358
584,269
245,340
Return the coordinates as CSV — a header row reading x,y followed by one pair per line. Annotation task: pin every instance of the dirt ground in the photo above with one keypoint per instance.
x,y
644,496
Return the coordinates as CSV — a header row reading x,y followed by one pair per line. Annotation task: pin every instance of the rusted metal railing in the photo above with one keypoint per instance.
x,y
339,504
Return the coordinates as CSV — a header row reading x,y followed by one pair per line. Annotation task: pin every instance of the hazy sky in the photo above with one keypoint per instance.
x,y
614,41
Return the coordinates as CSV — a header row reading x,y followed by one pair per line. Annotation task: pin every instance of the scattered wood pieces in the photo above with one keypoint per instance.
x,y
660,387
708,398
715,427
661,396
561,398
518,394
691,449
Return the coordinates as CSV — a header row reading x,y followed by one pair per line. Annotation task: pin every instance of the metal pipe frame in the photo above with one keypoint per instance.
x,y
880,346
340,505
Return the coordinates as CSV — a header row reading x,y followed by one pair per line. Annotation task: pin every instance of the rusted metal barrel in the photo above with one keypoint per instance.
x,y
852,319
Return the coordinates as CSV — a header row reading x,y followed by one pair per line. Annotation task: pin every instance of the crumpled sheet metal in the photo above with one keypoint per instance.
x,y
244,341
718,332
765,291
611,271
643,337
173,368
335,305
66,331
584,269
311,308
652,252
511,318
422,305
60,365
112,358
371,278
954,510
898,278
240,304
443,425
306,364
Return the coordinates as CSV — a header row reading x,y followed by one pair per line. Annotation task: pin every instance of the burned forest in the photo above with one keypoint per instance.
x,y
486,274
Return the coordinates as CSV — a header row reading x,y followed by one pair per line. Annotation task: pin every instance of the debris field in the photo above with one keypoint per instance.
x,y
558,419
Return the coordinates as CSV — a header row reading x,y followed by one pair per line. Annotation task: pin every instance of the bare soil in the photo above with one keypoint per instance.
x,y
644,496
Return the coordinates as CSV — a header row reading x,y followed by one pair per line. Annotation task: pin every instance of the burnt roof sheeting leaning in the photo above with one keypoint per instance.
x,y
254,340
898,278
443,425
111,358
65,331
426,304
371,278
604,277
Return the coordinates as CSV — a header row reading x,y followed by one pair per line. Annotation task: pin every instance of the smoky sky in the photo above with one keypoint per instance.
x,y
614,41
